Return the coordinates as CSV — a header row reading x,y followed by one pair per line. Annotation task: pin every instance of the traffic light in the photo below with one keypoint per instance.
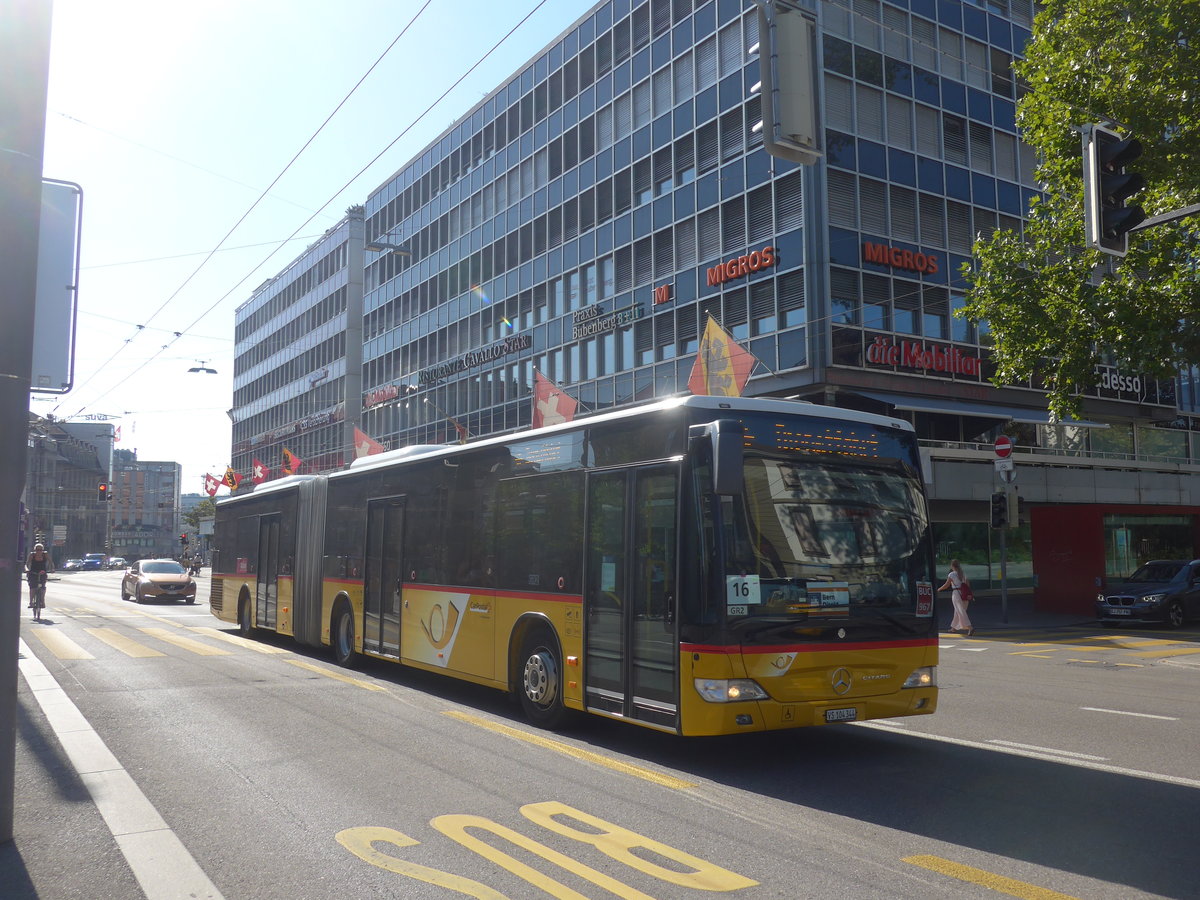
x,y
786,50
999,509
1106,187
183,539
102,492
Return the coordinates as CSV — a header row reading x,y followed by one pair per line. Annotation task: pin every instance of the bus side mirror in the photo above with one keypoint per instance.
x,y
726,440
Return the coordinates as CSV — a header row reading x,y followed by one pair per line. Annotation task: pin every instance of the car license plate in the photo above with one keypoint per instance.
x,y
1119,611
841,715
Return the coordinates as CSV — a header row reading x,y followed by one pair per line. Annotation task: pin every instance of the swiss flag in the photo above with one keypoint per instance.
x,y
551,404
211,484
365,445
260,472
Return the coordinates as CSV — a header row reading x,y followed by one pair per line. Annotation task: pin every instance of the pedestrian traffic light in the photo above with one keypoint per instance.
x,y
787,73
1106,187
102,492
183,539
999,509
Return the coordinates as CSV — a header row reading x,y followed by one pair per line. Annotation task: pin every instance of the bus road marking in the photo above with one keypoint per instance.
x,y
1033,653
126,645
1179,651
61,645
986,879
659,778
336,676
186,643
236,640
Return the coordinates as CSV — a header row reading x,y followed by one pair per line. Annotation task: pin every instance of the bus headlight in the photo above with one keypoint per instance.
x,y
926,676
729,690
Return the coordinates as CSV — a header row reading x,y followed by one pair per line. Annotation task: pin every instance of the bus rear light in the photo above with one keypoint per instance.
x,y
729,690
926,676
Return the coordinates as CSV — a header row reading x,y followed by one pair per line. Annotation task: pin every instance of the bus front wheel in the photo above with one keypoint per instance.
x,y
541,679
343,638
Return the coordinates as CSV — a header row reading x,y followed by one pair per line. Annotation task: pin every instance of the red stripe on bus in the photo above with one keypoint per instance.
x,y
804,648
520,595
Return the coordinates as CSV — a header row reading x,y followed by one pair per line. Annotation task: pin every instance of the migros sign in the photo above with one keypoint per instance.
x,y
926,263
740,266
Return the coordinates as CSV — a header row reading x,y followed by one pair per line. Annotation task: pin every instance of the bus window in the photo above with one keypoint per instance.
x,y
550,506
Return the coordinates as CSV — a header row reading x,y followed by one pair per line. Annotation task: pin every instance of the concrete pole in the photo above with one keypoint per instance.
x,y
24,61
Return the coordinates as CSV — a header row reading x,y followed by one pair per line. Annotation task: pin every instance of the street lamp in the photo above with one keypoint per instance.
x,y
380,246
203,368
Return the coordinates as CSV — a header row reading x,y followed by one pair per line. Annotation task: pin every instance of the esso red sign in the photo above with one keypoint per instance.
x,y
1004,446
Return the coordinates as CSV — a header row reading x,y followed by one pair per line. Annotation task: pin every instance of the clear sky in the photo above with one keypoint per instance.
x,y
176,117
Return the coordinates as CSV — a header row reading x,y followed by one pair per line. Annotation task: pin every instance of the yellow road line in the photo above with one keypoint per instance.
x,y
1178,651
186,643
126,645
1095,661
336,676
1034,654
236,640
61,645
986,879
658,778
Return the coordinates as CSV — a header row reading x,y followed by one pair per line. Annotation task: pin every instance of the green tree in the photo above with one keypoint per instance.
x,y
205,509
1056,308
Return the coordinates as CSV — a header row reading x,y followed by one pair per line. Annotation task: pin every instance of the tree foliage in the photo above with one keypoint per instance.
x,y
1057,309
205,509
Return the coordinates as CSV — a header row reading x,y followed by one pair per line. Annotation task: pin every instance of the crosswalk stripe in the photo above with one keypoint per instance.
x,y
125,644
236,640
164,634
61,645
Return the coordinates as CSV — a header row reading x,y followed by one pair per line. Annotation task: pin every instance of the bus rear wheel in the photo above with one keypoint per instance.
x,y
541,680
342,638
245,620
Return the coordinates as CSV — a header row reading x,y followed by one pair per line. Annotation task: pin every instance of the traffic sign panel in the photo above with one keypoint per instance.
x,y
1004,446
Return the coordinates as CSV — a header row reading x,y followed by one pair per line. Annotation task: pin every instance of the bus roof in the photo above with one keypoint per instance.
x,y
696,401
278,484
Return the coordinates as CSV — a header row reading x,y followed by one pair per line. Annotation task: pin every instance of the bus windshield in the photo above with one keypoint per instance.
x,y
825,542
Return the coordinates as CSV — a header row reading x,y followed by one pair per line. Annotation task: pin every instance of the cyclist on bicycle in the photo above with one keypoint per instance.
x,y
37,567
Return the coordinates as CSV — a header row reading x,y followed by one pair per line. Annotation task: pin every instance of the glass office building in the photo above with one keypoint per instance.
x,y
297,372
588,216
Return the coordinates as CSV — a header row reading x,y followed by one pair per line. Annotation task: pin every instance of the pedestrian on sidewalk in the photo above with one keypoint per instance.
x,y
957,582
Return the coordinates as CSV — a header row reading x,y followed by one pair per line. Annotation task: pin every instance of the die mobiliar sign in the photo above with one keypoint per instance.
x,y
914,355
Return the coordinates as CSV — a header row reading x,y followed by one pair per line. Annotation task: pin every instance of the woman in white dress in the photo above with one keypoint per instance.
x,y
954,582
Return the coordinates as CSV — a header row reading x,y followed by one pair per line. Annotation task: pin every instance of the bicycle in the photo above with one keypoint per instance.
x,y
37,596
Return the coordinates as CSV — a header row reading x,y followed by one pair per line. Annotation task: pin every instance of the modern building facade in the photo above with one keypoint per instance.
x,y
145,507
63,509
297,379
587,217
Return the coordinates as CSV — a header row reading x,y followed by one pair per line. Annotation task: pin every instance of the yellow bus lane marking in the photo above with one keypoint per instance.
x,y
336,676
659,778
1178,651
186,643
236,640
986,879
61,645
126,645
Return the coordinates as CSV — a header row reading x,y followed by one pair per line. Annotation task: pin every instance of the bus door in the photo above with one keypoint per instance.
x,y
631,656
382,585
267,579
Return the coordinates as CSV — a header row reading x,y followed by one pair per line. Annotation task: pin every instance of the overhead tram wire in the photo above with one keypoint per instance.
x,y
375,159
262,196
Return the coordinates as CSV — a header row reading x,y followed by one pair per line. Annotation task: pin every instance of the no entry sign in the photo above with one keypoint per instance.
x,y
1004,446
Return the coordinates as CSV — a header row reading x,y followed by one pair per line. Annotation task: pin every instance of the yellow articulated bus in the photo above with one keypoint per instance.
x,y
700,565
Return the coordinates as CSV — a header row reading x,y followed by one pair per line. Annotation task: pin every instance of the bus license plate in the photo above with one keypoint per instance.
x,y
841,715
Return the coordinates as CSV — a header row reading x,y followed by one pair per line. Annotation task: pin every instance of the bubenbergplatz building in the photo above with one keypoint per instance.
x,y
588,216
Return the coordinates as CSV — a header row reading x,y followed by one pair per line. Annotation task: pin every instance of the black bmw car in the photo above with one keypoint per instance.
x,y
1163,591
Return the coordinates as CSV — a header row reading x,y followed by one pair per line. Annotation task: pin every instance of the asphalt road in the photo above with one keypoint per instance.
x,y
1058,765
